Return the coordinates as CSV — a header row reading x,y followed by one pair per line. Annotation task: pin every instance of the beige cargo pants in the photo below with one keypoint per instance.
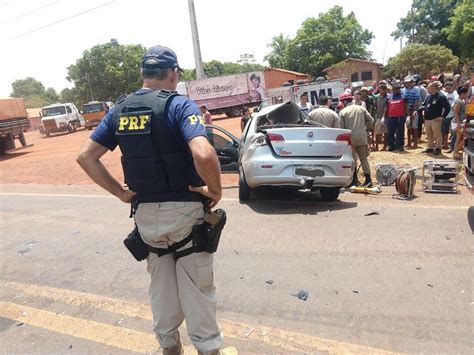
x,y
183,289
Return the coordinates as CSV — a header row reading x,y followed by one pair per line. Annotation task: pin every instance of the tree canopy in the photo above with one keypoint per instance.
x,y
106,71
461,29
425,22
34,92
279,44
321,42
421,59
217,68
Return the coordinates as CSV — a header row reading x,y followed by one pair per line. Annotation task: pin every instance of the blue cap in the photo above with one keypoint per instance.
x,y
160,57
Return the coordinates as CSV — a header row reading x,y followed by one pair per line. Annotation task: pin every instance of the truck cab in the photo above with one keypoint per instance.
x,y
60,118
93,113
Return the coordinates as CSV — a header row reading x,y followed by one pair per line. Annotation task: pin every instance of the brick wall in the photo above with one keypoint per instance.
x,y
346,69
275,78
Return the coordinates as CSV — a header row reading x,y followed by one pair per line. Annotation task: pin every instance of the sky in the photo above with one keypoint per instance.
x,y
41,38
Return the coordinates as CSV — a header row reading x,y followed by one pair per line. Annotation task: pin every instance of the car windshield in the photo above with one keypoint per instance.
x,y
53,111
89,108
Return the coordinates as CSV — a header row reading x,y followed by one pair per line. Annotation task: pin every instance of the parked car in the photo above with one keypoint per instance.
x,y
281,147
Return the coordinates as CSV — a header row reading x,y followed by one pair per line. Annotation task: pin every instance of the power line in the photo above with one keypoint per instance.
x,y
62,20
29,12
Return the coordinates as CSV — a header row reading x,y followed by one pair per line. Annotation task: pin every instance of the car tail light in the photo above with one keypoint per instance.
x,y
345,137
275,137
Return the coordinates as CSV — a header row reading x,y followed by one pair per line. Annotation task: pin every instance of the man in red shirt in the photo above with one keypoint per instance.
x,y
397,111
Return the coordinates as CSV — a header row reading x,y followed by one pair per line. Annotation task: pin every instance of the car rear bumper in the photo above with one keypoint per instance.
x,y
321,173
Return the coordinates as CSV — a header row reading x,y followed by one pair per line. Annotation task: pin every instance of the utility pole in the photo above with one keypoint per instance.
x,y
196,44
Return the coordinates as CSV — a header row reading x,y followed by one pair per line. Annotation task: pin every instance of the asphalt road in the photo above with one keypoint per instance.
x,y
397,281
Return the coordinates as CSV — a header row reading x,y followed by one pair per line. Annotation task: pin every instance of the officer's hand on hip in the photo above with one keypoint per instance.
x,y
127,195
204,190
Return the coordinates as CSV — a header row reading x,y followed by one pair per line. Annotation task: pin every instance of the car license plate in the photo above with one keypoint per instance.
x,y
309,171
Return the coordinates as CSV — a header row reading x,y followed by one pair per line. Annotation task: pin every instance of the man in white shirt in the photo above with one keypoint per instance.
x,y
304,105
451,95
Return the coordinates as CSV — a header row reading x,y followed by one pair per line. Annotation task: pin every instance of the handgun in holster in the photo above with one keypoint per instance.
x,y
205,237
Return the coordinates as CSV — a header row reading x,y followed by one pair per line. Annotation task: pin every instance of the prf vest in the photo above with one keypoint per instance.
x,y
156,163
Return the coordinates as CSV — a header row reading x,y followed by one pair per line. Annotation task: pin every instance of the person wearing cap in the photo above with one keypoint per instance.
x,y
435,108
395,115
170,170
412,95
358,120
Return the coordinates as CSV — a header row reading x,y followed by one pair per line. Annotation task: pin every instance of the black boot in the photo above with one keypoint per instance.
x,y
368,181
355,180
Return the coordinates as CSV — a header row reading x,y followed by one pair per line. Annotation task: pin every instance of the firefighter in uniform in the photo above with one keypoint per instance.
x,y
170,169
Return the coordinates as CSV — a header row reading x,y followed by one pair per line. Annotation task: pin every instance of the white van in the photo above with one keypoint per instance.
x,y
60,118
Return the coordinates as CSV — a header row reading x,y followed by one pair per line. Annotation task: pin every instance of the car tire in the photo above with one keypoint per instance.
x,y
329,194
244,188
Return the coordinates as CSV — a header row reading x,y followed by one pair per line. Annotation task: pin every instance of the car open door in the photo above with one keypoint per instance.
x,y
226,146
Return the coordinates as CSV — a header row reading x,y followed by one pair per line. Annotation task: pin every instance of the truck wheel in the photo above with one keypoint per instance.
x,y
47,134
89,128
235,111
22,139
330,194
228,114
3,147
70,128
244,188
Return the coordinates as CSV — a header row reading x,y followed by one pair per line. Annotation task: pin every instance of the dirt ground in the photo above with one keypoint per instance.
x,y
52,160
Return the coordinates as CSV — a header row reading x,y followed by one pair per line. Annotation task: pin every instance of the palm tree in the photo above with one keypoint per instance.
x,y
278,45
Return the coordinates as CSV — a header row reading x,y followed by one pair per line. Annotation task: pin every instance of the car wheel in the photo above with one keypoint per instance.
x,y
244,189
330,194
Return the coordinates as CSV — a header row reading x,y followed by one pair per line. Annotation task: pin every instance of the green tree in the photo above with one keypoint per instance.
x,y
327,40
34,92
461,29
107,71
27,87
422,59
278,45
425,22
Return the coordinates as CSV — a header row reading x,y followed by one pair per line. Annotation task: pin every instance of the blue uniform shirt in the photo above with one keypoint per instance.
x,y
183,116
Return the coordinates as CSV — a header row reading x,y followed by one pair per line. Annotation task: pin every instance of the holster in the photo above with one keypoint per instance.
x,y
136,246
205,237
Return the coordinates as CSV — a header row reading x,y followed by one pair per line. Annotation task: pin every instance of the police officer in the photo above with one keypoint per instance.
x,y
170,168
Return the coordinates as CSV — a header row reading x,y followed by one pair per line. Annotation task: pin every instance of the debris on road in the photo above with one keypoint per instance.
x,y
418,268
236,252
270,282
20,324
355,291
24,251
302,295
430,285
373,213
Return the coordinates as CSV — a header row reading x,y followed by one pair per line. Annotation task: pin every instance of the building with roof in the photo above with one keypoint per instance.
x,y
356,70
275,77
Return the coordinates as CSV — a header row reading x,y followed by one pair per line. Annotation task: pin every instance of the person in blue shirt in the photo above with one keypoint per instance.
x,y
413,96
162,149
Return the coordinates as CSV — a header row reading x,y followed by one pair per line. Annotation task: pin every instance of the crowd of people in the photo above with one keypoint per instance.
x,y
395,113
